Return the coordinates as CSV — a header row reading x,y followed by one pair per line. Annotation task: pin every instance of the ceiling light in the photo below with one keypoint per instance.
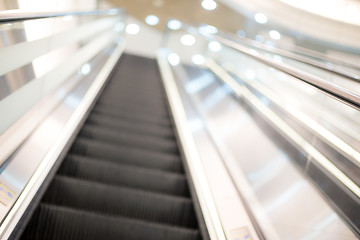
x,y
173,59
188,40
274,34
261,18
174,24
132,29
214,46
209,5
198,59
152,20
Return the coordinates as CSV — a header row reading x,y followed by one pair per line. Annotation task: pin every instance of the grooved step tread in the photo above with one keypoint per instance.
x,y
130,126
116,136
124,175
115,200
133,117
125,107
59,223
129,155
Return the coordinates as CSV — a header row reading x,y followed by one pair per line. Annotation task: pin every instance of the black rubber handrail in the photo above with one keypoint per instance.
x,y
19,15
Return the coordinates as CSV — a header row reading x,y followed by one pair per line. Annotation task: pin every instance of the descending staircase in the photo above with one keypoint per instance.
x,y
123,177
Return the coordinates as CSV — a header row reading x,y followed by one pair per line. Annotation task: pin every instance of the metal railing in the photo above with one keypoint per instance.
x,y
19,15
342,94
306,58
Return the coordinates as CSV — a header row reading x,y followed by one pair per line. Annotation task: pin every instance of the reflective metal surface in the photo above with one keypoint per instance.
x,y
29,166
284,202
63,67
19,15
50,51
290,149
224,213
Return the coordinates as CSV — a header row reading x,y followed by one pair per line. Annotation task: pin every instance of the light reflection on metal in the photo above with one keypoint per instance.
x,y
85,69
214,46
275,35
132,29
306,120
243,92
201,184
174,59
208,29
285,196
198,59
198,84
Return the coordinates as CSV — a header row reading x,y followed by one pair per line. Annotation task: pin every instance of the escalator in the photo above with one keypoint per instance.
x,y
123,177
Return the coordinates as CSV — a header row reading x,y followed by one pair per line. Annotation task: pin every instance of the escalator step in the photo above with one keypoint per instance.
x,y
131,109
129,125
116,136
127,155
59,223
145,95
129,92
124,175
114,200
162,121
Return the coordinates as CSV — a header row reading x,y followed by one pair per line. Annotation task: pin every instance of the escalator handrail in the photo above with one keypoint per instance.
x,y
20,15
299,58
342,94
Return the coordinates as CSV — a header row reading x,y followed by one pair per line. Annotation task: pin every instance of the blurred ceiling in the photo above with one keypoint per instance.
x,y
188,11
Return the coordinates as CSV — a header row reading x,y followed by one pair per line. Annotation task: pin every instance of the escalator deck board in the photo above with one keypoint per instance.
x,y
123,177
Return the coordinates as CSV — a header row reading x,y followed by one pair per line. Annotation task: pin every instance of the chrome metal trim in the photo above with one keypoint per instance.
x,y
13,134
299,58
345,95
201,184
243,92
20,15
317,128
53,153
30,50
